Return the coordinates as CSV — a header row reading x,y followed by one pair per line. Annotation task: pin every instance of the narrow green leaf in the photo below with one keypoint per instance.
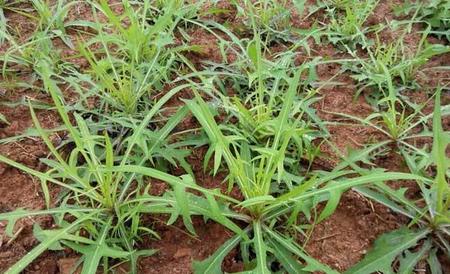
x,y
260,249
59,234
433,262
386,248
183,204
95,251
3,119
213,264
312,265
287,260
331,205
410,260
440,143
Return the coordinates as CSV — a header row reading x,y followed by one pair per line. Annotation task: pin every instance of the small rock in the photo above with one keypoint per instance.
x,y
182,252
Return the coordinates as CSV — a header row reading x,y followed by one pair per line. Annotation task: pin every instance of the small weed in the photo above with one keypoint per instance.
x,y
103,195
428,230
347,19
257,170
51,17
144,59
395,119
395,57
270,17
436,13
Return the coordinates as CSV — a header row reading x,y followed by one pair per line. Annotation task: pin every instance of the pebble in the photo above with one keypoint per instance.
x,y
182,252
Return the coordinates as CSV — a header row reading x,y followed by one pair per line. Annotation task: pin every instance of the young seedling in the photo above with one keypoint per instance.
x,y
401,62
256,169
393,119
347,18
144,58
103,192
429,229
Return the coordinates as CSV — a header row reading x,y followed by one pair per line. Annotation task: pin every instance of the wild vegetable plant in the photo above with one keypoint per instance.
x,y
251,87
256,170
265,142
20,63
396,118
270,17
436,13
427,235
143,60
347,18
397,58
22,57
51,17
103,191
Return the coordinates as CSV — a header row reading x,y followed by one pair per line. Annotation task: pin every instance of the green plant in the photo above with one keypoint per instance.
x,y
21,57
260,168
347,18
259,86
51,17
270,17
144,57
103,191
396,117
20,60
396,58
252,87
126,126
435,13
429,229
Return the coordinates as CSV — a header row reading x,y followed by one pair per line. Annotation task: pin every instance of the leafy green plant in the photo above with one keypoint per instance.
x,y
270,17
398,119
23,57
429,229
143,60
19,61
51,17
103,190
257,170
347,19
435,13
395,57
252,87
257,111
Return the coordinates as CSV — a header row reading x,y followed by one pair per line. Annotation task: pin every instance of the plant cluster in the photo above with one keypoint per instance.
x,y
435,13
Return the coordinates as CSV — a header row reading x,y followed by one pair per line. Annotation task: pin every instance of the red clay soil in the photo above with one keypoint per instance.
x,y
342,240
180,248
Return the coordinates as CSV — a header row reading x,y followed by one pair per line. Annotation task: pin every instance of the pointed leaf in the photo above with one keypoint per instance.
x,y
213,264
386,248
